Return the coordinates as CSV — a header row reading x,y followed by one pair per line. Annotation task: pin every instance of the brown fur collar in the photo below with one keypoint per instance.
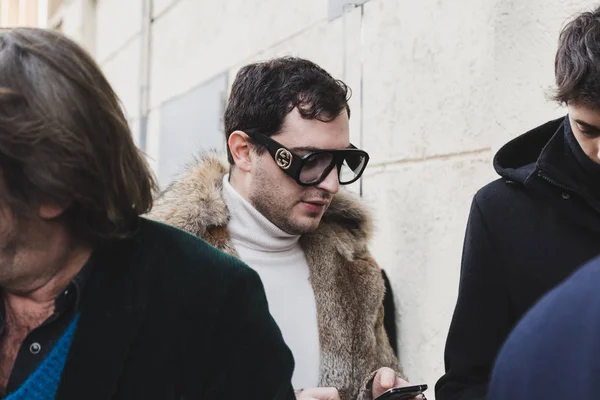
x,y
194,203
346,280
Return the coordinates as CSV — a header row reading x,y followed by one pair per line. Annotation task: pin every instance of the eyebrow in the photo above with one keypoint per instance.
x,y
312,148
586,125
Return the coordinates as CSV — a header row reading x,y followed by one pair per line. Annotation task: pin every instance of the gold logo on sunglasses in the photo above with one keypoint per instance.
x,y
283,158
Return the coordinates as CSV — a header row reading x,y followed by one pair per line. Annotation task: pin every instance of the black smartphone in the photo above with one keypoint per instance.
x,y
404,393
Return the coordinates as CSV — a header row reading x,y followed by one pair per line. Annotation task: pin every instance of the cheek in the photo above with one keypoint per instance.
x,y
6,223
286,196
590,148
294,193
281,187
596,147
7,233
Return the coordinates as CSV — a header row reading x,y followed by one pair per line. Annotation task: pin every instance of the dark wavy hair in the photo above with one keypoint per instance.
x,y
264,93
64,138
577,62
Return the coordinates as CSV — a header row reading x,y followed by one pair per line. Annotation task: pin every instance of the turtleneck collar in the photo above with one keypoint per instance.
x,y
249,228
588,173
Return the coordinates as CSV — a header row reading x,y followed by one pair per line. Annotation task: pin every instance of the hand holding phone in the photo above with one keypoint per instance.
x,y
403,393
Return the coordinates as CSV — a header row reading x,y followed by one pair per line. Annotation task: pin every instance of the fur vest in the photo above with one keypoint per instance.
x,y
345,278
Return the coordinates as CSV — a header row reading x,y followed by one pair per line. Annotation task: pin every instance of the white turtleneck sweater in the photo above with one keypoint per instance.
x,y
280,262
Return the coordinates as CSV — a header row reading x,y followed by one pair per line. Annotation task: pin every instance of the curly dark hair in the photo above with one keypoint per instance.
x,y
264,93
64,138
577,62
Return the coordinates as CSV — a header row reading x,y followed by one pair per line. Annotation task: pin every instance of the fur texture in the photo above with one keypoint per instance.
x,y
346,280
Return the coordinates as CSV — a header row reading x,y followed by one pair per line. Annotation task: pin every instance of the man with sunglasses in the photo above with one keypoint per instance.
x,y
277,205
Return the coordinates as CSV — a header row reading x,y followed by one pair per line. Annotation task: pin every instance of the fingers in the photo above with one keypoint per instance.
x,y
401,383
387,378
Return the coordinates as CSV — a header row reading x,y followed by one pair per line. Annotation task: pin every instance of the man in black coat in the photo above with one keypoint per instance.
x,y
533,227
96,302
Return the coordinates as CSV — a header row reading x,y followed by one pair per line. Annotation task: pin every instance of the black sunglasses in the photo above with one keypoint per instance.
x,y
312,168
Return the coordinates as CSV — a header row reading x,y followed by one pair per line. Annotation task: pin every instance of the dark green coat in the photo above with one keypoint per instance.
x,y
167,316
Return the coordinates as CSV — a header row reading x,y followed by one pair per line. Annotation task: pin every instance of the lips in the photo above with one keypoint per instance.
x,y
316,202
315,206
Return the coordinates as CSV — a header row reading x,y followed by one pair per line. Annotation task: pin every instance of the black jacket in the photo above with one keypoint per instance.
x,y
527,232
166,316
389,316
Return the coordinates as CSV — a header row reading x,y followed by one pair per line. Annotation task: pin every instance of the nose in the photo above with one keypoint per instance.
x,y
331,183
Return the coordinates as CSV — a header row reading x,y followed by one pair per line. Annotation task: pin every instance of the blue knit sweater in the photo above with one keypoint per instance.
x,y
42,384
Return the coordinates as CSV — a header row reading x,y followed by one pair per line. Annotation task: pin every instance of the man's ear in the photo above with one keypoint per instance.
x,y
240,148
